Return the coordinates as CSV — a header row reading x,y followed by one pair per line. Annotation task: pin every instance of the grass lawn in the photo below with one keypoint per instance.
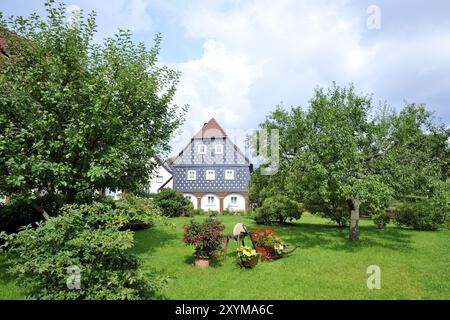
x,y
414,265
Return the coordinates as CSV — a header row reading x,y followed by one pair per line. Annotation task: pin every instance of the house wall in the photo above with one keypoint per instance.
x,y
154,185
222,189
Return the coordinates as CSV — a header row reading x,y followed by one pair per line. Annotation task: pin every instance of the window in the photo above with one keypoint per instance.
x,y
159,179
188,197
210,199
233,200
191,175
229,174
210,174
201,149
218,149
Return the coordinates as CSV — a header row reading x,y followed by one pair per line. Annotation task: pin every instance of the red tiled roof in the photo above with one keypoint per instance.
x,y
210,129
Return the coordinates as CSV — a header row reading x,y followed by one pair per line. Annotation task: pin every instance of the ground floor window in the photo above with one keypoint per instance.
x,y
233,200
210,199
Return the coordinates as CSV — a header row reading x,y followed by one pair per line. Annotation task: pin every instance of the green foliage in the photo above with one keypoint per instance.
x,y
206,237
278,208
343,151
381,219
427,214
173,203
87,237
76,114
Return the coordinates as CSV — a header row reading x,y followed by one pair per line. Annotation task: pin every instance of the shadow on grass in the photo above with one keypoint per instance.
x,y
307,235
213,263
147,241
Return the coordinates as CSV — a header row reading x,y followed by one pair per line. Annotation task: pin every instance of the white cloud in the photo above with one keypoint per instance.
x,y
216,85
258,53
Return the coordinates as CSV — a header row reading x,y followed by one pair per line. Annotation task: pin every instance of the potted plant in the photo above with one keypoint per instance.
x,y
207,239
247,257
269,244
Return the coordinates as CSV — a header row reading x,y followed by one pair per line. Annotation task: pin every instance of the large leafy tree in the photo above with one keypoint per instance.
x,y
76,114
343,154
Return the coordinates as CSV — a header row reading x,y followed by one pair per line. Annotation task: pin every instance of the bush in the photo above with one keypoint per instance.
x,y
278,208
172,203
142,213
206,237
197,212
81,254
426,214
381,219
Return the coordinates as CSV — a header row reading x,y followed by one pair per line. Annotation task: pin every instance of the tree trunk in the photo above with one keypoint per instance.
x,y
41,210
354,205
8,200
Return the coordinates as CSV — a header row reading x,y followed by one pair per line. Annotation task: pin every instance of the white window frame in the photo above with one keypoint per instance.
x,y
200,147
218,149
210,175
227,176
159,179
234,198
194,175
210,198
189,197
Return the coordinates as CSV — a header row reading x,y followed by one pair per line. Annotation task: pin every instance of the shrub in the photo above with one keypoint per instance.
x,y
84,242
268,243
172,203
425,214
278,208
197,212
381,219
141,213
206,237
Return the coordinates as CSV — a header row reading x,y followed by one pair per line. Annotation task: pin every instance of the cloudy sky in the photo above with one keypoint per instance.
x,y
241,58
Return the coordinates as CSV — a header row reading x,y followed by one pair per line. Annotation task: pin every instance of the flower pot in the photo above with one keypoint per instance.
x,y
201,262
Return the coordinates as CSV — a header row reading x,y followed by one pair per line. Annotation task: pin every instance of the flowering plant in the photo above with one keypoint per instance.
x,y
206,237
246,253
268,243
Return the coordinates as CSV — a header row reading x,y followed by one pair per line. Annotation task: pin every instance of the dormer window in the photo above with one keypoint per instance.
x,y
218,149
201,149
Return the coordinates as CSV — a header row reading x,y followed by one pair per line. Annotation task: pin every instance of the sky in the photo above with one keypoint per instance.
x,y
239,59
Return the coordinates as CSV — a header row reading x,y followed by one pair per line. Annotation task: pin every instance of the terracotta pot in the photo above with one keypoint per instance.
x,y
201,262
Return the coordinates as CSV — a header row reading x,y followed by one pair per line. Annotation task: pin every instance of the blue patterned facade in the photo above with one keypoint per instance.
x,y
230,159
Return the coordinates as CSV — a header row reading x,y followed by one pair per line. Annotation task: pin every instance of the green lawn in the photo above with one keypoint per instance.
x,y
414,265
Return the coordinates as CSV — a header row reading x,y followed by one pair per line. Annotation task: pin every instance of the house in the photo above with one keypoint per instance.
x,y
162,177
212,172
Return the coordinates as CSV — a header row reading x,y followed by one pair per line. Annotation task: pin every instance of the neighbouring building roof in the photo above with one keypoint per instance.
x,y
210,129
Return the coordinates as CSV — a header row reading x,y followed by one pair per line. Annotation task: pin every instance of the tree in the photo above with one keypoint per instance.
x,y
343,154
77,115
